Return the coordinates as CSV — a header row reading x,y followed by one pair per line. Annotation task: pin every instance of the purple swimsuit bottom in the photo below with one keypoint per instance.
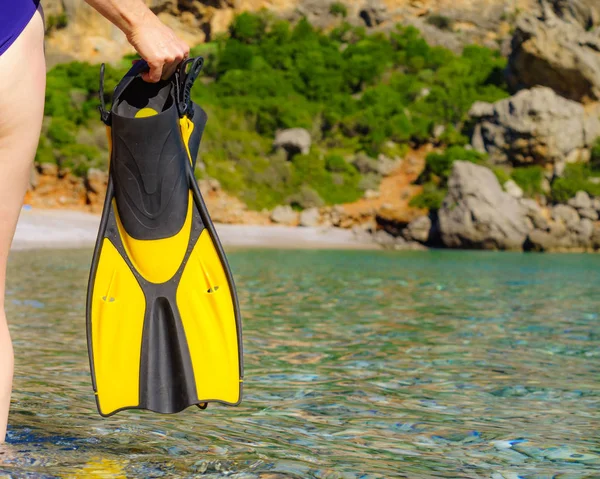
x,y
14,17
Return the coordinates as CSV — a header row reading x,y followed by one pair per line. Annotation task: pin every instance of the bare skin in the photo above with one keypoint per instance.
x,y
22,88
155,42
21,112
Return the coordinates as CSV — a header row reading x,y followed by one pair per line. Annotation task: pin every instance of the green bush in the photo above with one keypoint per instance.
x,y
354,91
430,198
333,187
529,178
453,137
79,158
440,21
305,198
595,157
576,178
438,166
336,163
370,181
56,22
338,9
61,132
82,78
45,152
249,28
501,175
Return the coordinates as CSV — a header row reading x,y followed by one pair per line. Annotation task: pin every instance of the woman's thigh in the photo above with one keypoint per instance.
x,y
22,91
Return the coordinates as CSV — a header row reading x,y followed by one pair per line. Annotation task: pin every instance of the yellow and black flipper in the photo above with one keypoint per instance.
x,y
163,322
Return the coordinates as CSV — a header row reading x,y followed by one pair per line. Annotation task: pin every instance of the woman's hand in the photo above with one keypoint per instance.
x,y
159,46
154,41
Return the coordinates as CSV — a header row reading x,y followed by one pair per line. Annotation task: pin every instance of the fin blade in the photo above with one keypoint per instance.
x,y
116,326
210,324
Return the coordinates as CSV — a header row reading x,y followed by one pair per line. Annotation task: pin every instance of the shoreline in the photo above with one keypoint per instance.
x,y
65,229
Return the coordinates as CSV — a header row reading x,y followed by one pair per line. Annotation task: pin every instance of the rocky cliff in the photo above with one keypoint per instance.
x,y
76,31
549,128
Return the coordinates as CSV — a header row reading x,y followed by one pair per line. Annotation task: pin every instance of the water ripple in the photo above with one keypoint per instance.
x,y
358,365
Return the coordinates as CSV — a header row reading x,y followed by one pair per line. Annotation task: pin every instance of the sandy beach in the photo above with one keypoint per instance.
x,y
62,229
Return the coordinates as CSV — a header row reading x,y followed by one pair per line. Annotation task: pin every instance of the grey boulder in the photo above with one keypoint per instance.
x,y
310,217
477,214
534,126
581,201
589,213
294,141
418,229
567,214
284,215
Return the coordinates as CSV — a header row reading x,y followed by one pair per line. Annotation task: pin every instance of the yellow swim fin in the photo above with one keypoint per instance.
x,y
163,321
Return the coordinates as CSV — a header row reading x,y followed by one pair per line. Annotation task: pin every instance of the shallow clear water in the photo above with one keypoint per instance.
x,y
358,365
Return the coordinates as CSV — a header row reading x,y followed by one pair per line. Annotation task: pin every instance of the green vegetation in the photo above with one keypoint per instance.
x,y
56,22
338,9
440,21
438,166
431,197
576,178
529,178
355,92
595,157
501,174
434,178
71,105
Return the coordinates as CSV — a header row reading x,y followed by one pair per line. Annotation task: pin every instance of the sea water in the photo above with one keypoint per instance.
x,y
358,365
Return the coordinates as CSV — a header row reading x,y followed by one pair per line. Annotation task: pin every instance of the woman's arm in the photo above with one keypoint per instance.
x,y
154,41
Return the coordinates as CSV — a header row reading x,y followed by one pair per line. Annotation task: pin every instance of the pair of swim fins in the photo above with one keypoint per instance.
x,y
163,321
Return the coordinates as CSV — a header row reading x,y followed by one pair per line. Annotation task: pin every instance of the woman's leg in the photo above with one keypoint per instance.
x,y
22,85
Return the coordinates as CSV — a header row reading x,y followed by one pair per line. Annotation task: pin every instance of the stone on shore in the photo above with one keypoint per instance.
x,y
310,217
566,230
418,229
96,181
477,214
285,215
388,241
581,201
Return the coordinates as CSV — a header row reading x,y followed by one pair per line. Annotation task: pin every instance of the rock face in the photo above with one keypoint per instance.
x,y
535,126
559,48
285,215
513,189
310,217
477,214
581,201
388,241
566,231
418,229
585,206
584,12
294,141
87,36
